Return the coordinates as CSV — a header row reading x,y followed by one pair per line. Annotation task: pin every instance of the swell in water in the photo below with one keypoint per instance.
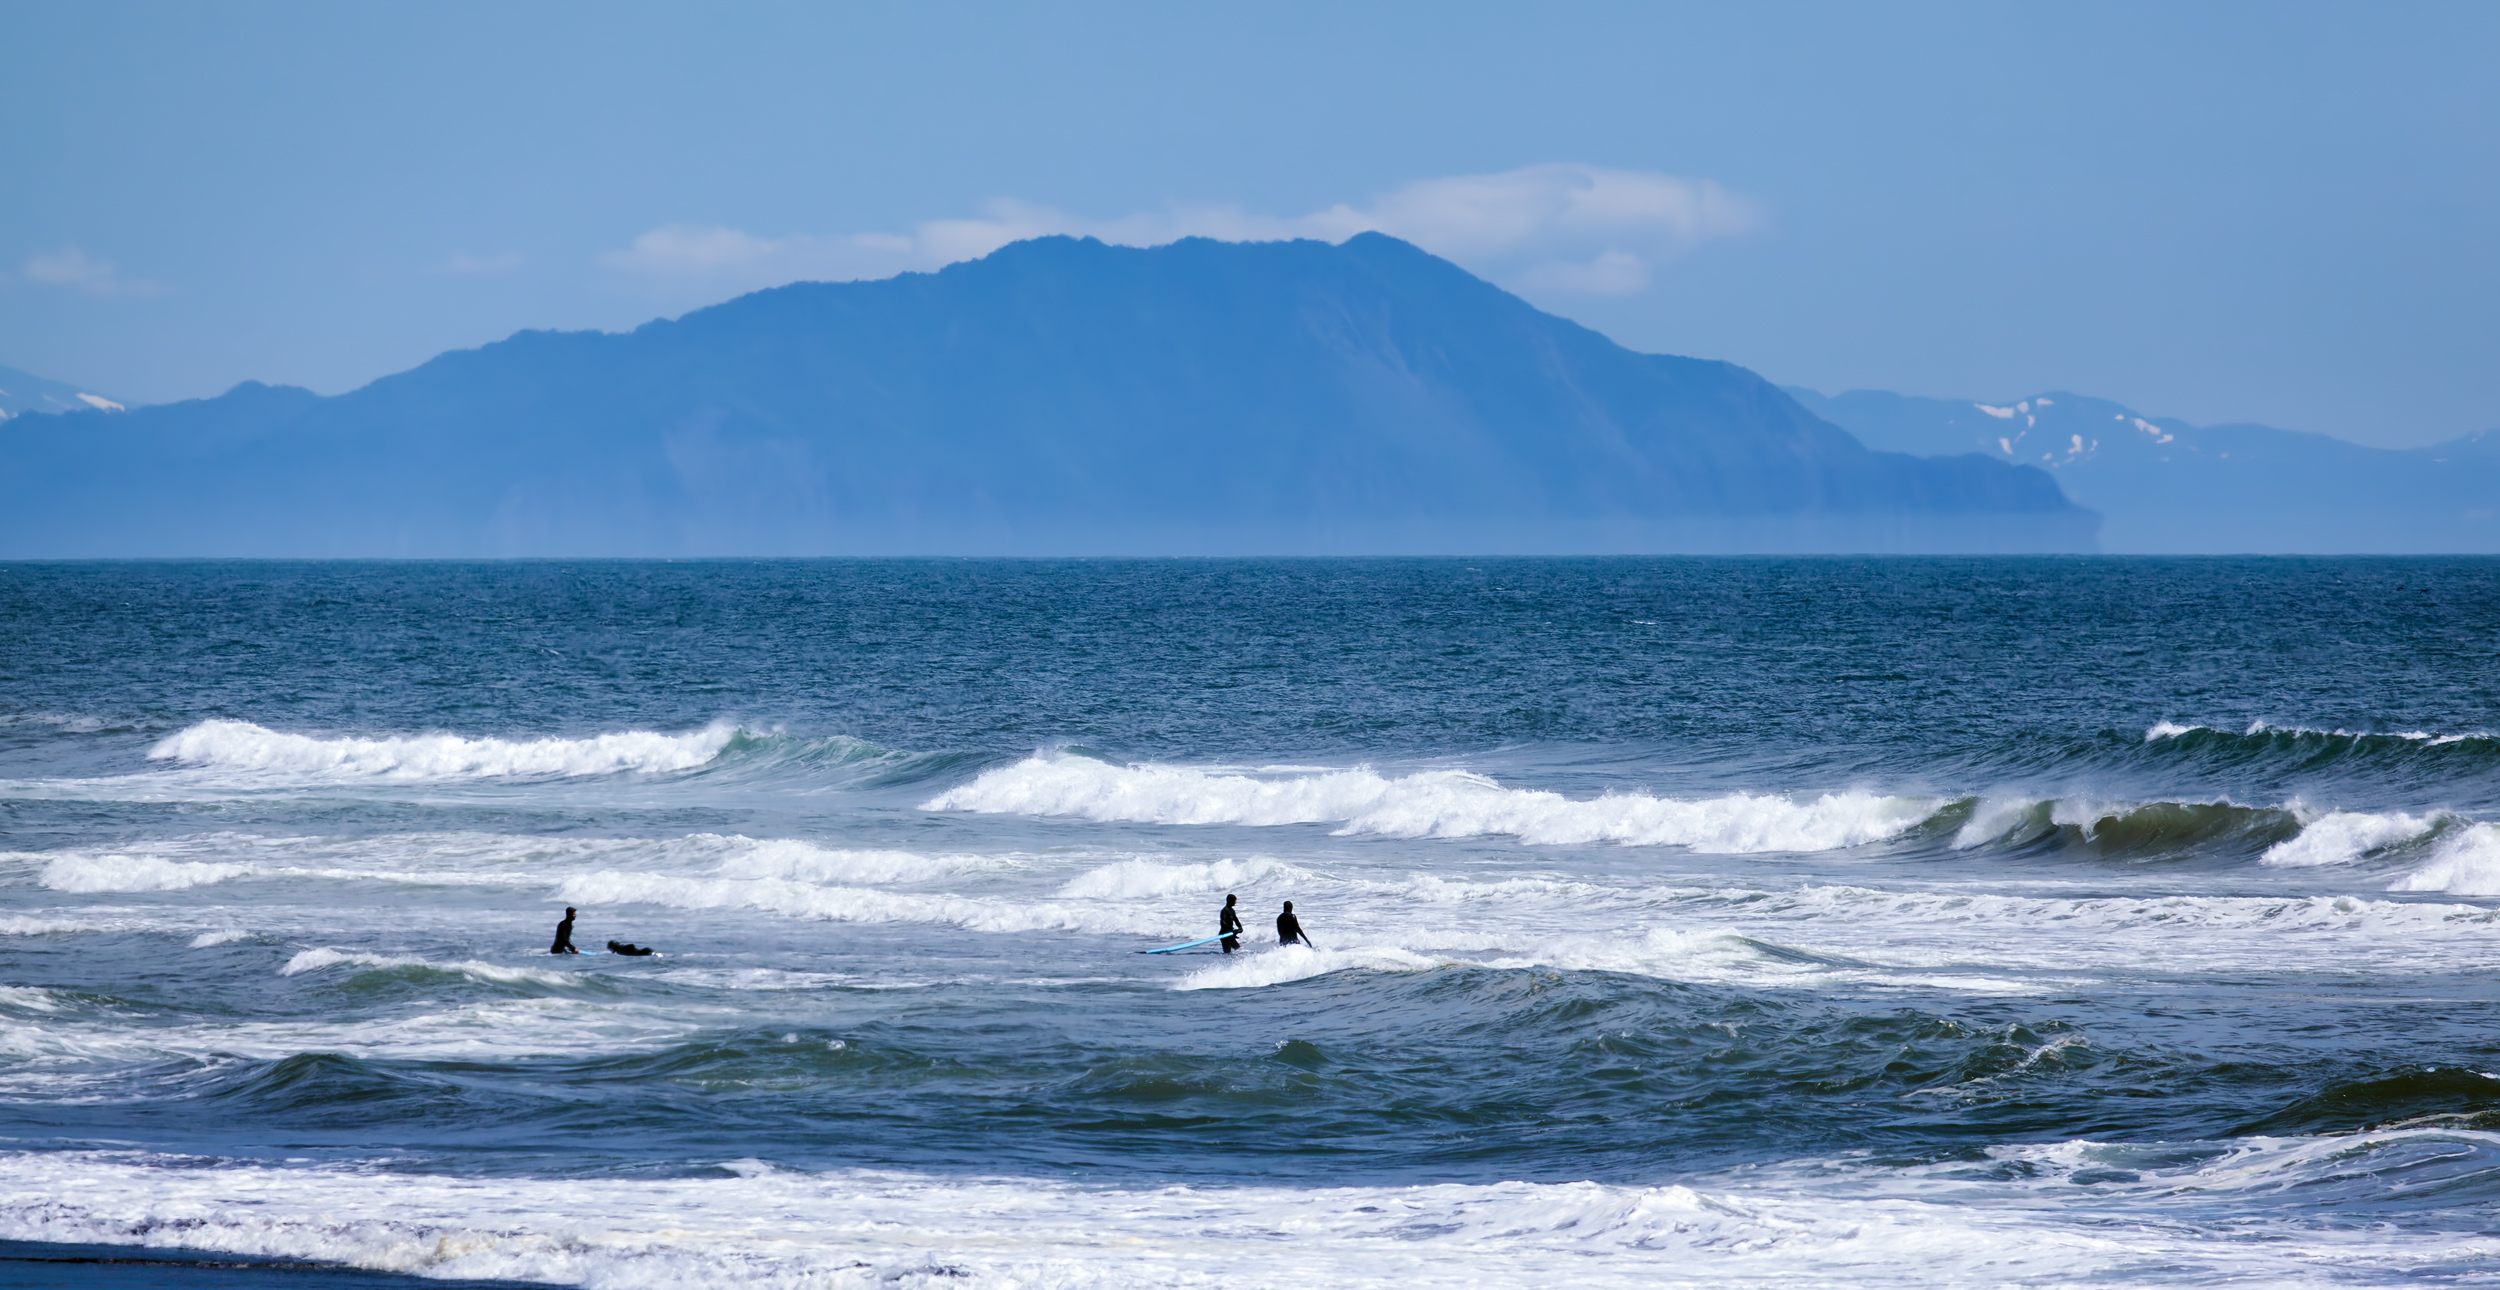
x,y
1867,922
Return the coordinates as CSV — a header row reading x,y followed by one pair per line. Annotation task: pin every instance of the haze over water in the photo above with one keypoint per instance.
x,y
1687,921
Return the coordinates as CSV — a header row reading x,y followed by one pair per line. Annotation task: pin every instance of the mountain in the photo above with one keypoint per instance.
x,y
23,392
2163,485
1056,397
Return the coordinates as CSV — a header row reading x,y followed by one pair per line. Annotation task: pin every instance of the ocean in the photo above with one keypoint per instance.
x,y
1692,922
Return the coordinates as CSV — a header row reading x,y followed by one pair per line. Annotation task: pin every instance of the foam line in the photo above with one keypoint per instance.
x,y
314,960
2341,837
2183,1209
2465,863
242,746
1435,804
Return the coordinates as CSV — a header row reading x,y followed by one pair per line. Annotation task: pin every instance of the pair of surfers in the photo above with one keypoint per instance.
x,y
1288,927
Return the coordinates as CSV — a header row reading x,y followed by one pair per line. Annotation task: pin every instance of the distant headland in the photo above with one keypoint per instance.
x,y
1057,397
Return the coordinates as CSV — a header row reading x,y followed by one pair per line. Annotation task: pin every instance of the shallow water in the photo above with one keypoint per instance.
x,y
1840,921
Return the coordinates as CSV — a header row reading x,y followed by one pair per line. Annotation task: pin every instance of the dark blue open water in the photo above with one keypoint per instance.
x,y
1872,922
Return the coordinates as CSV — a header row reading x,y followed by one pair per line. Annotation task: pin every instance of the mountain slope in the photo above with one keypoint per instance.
x,y
2164,485
23,392
1057,397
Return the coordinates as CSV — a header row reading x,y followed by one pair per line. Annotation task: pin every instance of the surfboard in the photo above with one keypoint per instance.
x,y
1191,945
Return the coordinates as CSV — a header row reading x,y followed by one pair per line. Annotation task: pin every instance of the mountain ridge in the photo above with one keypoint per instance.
x,y
1059,396
2167,486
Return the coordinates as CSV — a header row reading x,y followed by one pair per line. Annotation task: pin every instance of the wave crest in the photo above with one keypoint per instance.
x,y
241,745
2266,733
2466,863
1431,804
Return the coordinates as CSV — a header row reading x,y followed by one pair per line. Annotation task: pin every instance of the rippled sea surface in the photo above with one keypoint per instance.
x,y
1866,922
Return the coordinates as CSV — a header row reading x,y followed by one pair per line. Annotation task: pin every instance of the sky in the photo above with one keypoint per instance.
x,y
2276,212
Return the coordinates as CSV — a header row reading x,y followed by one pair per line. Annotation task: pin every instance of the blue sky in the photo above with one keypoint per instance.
x,y
2274,212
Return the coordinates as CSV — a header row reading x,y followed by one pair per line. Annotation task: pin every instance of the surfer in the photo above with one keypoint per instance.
x,y
564,935
628,949
1289,928
1229,923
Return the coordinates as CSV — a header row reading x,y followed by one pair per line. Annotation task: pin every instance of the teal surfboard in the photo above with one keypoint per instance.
x,y
1191,945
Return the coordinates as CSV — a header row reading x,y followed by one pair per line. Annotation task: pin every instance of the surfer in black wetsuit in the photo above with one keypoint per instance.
x,y
564,935
1229,923
1289,928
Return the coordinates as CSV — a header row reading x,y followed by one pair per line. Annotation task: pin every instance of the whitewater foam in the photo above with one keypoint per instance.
x,y
1147,879
1813,1222
320,957
1431,804
85,874
2465,863
862,905
743,857
243,746
2341,837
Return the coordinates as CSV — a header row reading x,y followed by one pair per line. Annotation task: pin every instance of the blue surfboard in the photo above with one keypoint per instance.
x,y
1191,945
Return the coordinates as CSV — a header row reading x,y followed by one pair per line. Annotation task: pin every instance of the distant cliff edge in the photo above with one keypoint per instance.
x,y
1058,397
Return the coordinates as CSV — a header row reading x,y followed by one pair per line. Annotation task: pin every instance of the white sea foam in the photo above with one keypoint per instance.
x,y
94,873
1692,956
2188,1214
742,857
2464,863
2340,837
227,937
29,998
318,958
1434,804
1145,879
2429,739
1991,819
242,746
35,925
861,904
1279,964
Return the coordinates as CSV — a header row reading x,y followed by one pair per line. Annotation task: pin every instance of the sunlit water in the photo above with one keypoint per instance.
x,y
1885,922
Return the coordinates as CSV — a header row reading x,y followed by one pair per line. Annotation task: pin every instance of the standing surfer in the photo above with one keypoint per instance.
x,y
564,935
1229,923
1289,928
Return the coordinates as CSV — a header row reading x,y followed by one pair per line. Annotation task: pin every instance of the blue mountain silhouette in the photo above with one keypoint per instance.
x,y
1056,397
2163,485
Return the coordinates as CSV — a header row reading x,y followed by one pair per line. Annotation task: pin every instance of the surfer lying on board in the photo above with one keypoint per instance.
x,y
1229,923
629,949
564,935
1289,928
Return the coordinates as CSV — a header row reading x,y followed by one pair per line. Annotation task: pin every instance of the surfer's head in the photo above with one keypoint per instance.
x,y
1230,898
1288,906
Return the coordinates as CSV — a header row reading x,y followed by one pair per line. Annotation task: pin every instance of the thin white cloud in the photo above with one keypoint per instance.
x,y
1560,227
74,268
461,263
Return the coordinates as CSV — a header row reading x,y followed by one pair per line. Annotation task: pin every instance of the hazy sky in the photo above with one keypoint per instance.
x,y
2276,212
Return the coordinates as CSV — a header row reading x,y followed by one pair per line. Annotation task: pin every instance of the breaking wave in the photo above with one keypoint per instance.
x,y
318,959
240,745
1431,804
1981,1218
87,874
2342,837
2126,829
721,751
2465,863
2264,737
